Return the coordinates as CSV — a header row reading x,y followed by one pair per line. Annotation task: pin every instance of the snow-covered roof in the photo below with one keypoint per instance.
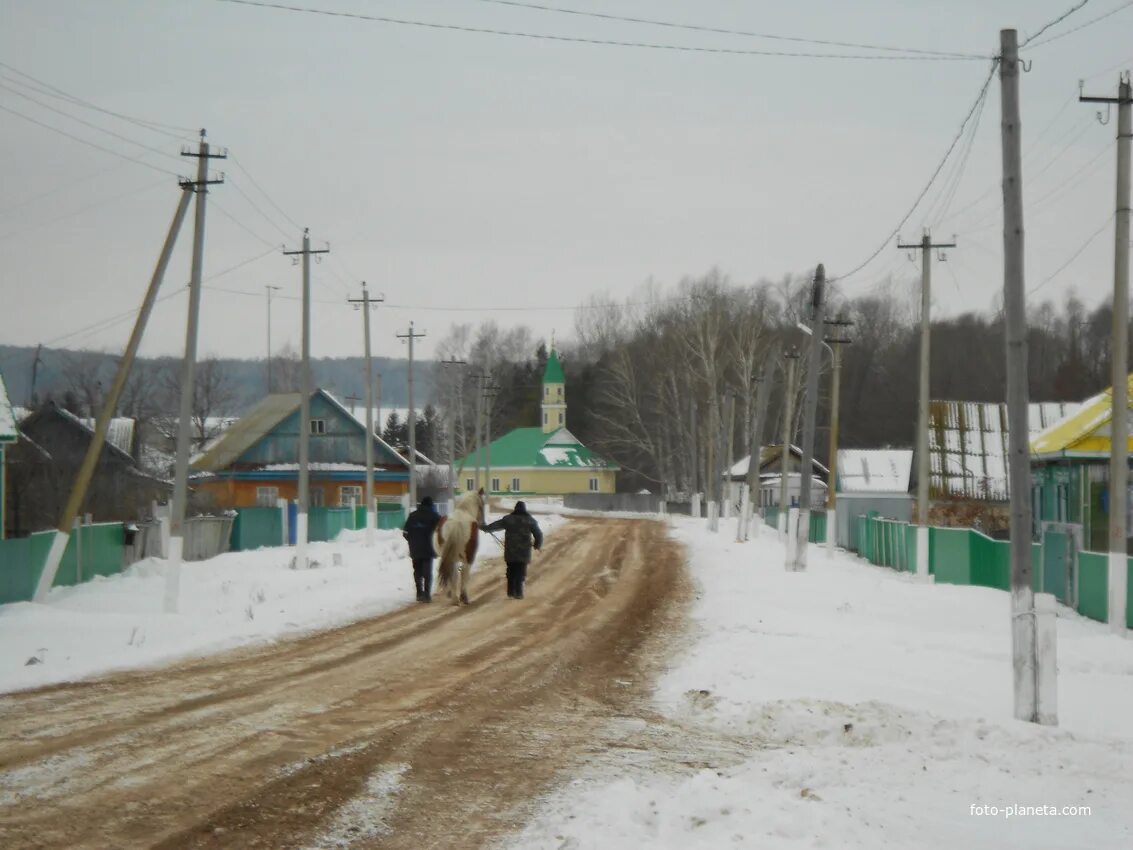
x,y
767,454
792,478
120,433
874,470
968,445
8,432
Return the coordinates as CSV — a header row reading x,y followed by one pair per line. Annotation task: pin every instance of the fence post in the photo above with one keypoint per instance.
x,y
1046,628
281,504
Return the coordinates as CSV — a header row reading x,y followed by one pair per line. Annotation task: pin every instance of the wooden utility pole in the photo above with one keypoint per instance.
x,y
270,289
797,559
836,342
926,245
788,428
409,336
762,396
366,303
98,439
1119,427
452,406
305,390
1023,626
188,371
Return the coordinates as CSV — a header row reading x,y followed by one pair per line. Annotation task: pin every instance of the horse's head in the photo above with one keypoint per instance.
x,y
471,504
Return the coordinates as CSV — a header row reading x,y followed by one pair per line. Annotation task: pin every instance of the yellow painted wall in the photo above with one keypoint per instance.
x,y
548,482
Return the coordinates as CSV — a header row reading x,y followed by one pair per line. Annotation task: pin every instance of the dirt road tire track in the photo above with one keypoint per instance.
x,y
482,706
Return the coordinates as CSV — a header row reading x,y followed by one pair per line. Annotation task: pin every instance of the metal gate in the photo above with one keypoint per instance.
x,y
1058,560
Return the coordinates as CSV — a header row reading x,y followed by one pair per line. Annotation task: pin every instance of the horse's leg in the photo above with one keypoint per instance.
x,y
469,557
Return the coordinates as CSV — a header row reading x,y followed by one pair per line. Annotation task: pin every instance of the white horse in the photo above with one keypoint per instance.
x,y
457,539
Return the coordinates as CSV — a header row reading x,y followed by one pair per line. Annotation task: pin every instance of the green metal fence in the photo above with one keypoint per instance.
x,y
255,528
967,557
326,523
817,533
92,550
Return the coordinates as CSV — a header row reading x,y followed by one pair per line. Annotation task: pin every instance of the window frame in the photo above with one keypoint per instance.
x,y
595,485
317,426
267,496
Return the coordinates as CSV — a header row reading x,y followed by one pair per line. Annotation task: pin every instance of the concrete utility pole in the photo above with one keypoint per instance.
x,y
1032,673
305,390
409,336
479,379
366,304
98,440
726,458
788,428
835,344
926,245
710,470
1119,428
797,559
270,289
762,396
694,449
490,392
188,370
452,405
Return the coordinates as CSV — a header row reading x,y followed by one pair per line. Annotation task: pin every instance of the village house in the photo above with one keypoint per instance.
x,y
255,462
8,436
770,470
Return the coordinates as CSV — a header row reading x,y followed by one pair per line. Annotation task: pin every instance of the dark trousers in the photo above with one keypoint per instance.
x,y
423,577
516,576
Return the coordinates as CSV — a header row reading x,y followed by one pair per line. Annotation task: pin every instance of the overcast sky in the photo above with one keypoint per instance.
x,y
465,170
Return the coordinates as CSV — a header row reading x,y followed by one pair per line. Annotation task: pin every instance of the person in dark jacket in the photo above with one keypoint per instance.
x,y
418,533
520,532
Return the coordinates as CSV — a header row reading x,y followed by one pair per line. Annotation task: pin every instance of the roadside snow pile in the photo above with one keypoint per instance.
x,y
117,623
876,712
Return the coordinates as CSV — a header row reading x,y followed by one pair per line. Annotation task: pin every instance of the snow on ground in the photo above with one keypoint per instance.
x,y
117,623
872,711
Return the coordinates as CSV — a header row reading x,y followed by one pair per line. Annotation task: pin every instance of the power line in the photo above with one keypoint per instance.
x,y
99,203
1073,256
80,140
726,31
243,226
86,123
593,41
268,197
54,91
256,207
936,172
1055,22
1088,23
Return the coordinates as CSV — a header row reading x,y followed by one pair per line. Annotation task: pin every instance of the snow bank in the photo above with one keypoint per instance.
x,y
867,710
117,623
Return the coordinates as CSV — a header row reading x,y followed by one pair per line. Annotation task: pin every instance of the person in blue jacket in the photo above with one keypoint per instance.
x,y
418,533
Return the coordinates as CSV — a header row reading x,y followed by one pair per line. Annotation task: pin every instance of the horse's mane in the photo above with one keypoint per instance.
x,y
468,504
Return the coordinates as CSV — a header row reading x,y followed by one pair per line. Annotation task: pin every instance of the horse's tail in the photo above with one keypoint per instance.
x,y
445,571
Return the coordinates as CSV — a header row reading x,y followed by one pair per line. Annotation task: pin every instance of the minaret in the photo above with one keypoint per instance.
x,y
554,395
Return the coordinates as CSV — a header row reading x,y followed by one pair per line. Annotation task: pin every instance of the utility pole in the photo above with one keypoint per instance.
x,y
490,392
1119,427
797,558
447,364
694,450
188,370
835,343
410,336
304,404
270,289
102,425
926,245
1024,630
479,378
367,304
32,400
762,396
788,428
726,458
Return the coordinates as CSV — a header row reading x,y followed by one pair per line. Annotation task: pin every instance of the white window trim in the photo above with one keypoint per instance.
x,y
495,485
350,495
318,426
267,497
515,485
594,485
469,484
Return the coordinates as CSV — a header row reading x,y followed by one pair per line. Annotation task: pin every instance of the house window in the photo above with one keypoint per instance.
x,y
349,495
317,497
593,485
560,392
560,417
266,497
318,426
544,417
469,484
515,485
495,485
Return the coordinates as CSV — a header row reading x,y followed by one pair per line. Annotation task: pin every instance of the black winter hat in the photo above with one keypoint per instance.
x,y
427,502
520,508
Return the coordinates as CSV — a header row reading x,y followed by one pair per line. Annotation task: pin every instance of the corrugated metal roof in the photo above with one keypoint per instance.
x,y
247,430
523,448
766,455
874,470
967,444
1084,432
8,432
120,433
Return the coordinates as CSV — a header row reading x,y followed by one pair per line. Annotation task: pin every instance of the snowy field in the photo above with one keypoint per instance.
x,y
117,623
870,711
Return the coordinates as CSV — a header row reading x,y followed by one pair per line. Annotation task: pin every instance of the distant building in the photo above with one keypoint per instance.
x,y
542,460
8,436
770,469
1070,471
256,460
